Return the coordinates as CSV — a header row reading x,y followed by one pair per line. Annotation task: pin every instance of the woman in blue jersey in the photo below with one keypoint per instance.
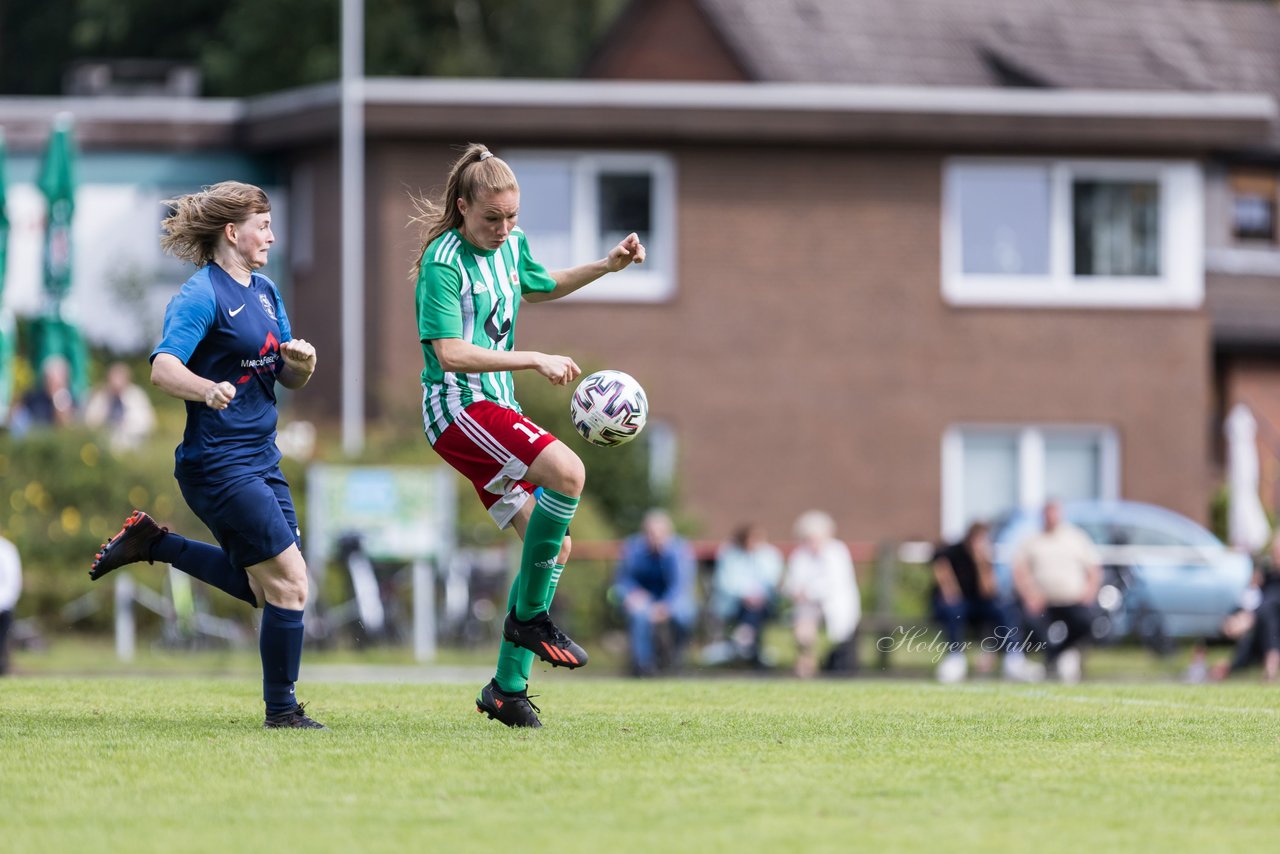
x,y
226,344
474,269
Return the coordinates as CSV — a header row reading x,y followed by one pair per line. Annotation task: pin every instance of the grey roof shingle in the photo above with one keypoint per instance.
x,y
1190,45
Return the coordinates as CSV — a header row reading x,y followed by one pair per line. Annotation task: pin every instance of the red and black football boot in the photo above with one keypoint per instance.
x,y
541,637
131,545
514,710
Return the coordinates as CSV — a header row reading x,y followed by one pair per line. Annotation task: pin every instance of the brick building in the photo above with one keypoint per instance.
x,y
910,263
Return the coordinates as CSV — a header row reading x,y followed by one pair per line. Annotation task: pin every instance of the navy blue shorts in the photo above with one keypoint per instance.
x,y
252,518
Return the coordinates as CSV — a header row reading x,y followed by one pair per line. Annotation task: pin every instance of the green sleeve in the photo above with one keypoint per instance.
x,y
439,309
533,276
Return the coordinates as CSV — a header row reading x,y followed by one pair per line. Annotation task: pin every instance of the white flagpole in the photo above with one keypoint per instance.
x,y
352,302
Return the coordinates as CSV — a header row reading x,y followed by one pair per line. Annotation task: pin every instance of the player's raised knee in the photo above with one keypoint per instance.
x,y
571,474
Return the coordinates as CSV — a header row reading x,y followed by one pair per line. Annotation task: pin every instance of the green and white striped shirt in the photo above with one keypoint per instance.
x,y
473,294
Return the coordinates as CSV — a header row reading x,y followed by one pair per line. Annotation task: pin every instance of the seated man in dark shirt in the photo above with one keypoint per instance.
x,y
654,582
965,594
1255,626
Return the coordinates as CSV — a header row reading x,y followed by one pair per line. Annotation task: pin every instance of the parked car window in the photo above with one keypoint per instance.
x,y
1141,535
1101,533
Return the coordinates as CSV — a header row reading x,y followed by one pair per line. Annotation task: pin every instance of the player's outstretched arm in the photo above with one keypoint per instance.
x,y
628,251
463,357
171,376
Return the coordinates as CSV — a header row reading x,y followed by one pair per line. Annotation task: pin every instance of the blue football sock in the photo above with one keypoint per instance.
x,y
280,643
205,562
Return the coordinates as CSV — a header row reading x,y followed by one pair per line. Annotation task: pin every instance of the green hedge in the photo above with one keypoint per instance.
x,y
64,493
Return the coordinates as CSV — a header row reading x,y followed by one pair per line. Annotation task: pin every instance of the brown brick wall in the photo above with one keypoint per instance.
x,y
808,359
313,306
398,171
663,40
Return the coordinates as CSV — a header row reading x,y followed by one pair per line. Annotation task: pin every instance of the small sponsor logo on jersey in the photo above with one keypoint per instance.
x,y
234,312
495,330
267,306
515,279
259,363
479,288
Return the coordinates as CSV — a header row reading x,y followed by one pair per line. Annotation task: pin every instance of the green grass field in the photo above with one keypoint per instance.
x,y
180,764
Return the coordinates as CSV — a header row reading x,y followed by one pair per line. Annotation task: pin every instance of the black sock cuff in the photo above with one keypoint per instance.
x,y
281,616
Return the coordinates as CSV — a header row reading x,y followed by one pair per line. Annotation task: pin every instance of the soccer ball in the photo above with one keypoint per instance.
x,y
609,408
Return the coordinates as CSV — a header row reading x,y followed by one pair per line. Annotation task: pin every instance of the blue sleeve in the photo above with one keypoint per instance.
x,y
282,317
187,319
624,580
683,570
286,332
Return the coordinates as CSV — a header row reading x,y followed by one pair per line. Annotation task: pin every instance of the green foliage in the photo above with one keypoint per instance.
x,y
64,492
248,56
1219,510
247,47
484,38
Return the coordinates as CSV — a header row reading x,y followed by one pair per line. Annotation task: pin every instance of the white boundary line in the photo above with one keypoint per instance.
x,y
1038,694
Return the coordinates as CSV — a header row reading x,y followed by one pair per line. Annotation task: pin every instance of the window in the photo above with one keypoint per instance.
x,y
1004,221
576,206
1254,196
989,471
1073,233
1116,228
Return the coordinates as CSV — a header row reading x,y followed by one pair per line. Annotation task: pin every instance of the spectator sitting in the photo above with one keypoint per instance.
x,y
654,580
48,404
1057,573
1255,626
823,591
965,594
122,407
744,587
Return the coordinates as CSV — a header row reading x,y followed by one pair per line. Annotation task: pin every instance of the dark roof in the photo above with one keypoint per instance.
x,y
1187,45
1131,45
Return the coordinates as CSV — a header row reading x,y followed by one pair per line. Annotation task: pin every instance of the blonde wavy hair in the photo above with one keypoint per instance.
x,y
476,172
192,230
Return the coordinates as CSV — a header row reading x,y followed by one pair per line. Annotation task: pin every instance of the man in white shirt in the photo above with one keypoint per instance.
x,y
1057,573
10,588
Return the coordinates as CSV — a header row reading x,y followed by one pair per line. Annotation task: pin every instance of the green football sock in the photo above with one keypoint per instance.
x,y
516,663
542,541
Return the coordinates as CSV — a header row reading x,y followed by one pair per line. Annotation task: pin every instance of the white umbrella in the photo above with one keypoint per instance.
x,y
1247,526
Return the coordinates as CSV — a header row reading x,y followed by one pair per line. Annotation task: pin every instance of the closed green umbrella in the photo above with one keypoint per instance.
x,y
54,335
6,320
58,183
4,221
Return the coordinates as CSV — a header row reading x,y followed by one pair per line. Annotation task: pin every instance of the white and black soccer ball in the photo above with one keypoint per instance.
x,y
609,408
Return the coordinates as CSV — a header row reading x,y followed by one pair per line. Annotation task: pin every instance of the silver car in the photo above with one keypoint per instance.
x,y
1165,576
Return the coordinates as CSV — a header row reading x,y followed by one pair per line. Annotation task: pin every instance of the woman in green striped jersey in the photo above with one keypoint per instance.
x,y
473,271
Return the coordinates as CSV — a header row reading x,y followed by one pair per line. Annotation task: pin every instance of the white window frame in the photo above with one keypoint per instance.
x,y
655,281
1031,461
1182,238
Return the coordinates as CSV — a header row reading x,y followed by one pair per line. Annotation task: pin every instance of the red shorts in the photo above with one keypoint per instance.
x,y
493,447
